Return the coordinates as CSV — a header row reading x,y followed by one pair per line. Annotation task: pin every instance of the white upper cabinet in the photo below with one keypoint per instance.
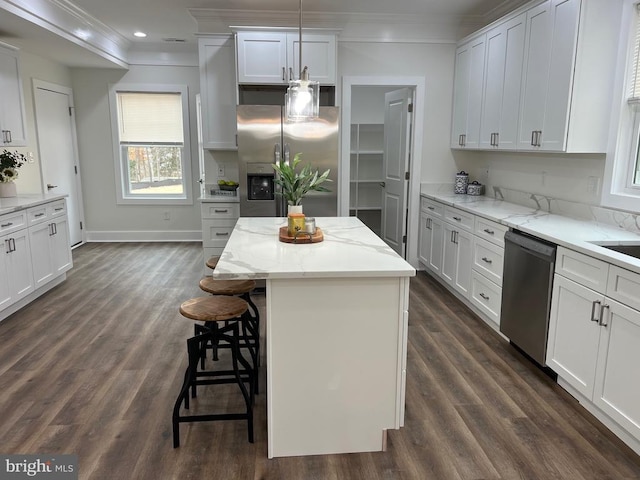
x,y
548,78
267,57
467,93
503,75
12,115
218,91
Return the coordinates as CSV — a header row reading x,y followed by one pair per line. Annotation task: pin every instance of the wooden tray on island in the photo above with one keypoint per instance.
x,y
301,238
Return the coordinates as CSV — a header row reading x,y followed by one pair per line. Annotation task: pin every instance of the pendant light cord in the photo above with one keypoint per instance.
x,y
300,46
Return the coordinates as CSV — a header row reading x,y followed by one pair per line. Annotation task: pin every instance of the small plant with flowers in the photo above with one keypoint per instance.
x,y
10,162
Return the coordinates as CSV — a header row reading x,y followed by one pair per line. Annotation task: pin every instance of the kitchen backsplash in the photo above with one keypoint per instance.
x,y
582,211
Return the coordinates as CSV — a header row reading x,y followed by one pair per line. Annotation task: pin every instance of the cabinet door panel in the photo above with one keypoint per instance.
x,y
60,251
437,243
12,114
318,53
460,94
262,57
476,82
617,390
449,254
41,256
20,270
494,86
536,73
5,290
464,260
424,240
572,347
564,34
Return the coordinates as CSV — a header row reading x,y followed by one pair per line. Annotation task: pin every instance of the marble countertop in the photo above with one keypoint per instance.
x,y
349,249
13,204
578,235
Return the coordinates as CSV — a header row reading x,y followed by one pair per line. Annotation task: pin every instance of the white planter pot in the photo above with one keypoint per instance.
x,y
294,209
8,189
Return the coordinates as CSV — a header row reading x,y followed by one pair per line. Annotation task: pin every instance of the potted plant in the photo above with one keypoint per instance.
x,y
10,162
294,185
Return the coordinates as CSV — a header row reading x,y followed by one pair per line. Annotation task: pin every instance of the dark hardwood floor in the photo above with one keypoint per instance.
x,y
93,368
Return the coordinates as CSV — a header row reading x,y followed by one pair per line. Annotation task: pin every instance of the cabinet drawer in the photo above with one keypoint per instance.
x,y
490,230
429,206
585,270
220,210
488,260
624,286
487,296
12,222
459,218
216,233
37,214
56,209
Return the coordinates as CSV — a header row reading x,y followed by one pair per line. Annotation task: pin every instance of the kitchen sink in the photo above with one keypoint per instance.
x,y
631,250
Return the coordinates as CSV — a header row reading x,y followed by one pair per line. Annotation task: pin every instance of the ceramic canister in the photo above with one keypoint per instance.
x,y
462,180
475,188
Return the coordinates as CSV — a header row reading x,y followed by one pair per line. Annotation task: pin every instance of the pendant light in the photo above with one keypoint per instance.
x,y
303,95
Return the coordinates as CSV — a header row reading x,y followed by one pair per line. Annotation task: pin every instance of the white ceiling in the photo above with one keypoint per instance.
x,y
176,19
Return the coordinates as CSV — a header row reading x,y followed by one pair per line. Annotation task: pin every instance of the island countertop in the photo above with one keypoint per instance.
x,y
349,249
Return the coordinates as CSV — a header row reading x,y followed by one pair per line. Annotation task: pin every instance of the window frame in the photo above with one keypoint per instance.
x,y
121,163
618,189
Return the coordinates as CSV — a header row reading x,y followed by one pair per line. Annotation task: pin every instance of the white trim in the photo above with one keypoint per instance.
x,y
145,236
615,193
418,84
186,154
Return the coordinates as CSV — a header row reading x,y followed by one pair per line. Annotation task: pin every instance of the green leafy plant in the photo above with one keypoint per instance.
x,y
10,162
296,184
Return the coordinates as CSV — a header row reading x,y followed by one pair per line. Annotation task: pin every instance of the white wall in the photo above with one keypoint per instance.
x,y
106,219
435,62
35,67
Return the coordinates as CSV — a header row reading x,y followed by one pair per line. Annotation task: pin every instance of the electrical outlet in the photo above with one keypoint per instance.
x,y
220,171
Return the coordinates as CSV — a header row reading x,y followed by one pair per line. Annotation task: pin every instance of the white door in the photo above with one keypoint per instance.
x,y
395,167
55,123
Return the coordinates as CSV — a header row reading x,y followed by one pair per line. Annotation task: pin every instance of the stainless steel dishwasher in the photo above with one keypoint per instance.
x,y
527,281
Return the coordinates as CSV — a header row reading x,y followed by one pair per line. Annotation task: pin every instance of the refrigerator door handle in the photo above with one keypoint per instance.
x,y
286,153
276,153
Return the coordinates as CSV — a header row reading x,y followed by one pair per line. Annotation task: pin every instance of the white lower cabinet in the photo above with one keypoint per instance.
x,y
431,242
16,278
218,221
456,258
594,340
36,251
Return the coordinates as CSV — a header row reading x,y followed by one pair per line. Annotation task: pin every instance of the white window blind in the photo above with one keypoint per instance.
x,y
150,117
634,91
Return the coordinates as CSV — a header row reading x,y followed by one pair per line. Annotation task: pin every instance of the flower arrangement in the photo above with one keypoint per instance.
x,y
295,185
10,162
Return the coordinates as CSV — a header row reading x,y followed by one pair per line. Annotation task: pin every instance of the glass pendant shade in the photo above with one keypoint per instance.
x,y
303,99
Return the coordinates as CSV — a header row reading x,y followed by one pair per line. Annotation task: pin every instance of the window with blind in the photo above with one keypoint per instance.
x,y
153,155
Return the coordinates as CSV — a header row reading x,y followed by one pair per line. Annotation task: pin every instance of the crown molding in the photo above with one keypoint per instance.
x,y
73,24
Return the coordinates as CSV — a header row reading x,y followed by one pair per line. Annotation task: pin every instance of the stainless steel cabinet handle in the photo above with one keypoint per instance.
x,y
457,219
51,233
7,246
283,74
464,139
221,211
539,138
55,228
6,224
225,234
601,322
489,232
49,186
12,244
382,184
593,310
533,135
38,215
484,296
487,260
58,209
455,238
431,208
497,137
290,73
452,236
6,136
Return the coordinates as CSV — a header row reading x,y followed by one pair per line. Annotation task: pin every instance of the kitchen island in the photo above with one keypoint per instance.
x,y
336,333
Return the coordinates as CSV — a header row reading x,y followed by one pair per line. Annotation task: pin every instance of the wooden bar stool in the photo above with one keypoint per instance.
x,y
212,310
212,262
251,329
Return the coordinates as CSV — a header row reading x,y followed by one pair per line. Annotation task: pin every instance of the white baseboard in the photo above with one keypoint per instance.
x,y
145,236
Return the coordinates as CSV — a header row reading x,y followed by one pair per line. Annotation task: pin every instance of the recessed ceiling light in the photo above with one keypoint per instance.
x,y
140,34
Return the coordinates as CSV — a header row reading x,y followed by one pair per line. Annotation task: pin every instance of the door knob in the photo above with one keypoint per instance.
x,y
382,184
49,186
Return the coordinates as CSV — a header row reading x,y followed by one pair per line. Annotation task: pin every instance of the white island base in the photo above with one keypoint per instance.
x,y
335,363
336,333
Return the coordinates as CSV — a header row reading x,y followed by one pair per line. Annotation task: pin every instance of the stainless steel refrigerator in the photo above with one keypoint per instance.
x,y
264,137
